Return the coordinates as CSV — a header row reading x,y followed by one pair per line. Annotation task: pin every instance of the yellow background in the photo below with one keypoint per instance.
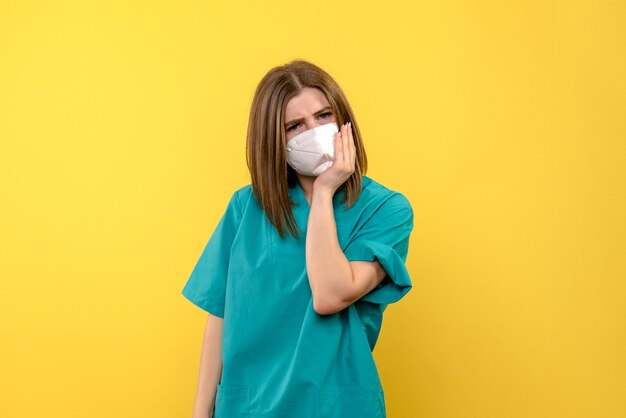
x,y
122,136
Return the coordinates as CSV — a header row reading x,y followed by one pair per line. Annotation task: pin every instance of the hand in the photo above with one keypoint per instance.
x,y
343,164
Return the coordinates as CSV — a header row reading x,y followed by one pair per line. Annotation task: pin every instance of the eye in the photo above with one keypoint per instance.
x,y
292,127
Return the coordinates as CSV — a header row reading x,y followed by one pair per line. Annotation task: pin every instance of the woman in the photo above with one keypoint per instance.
x,y
302,264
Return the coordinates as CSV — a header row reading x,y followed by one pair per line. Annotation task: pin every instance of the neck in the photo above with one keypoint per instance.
x,y
306,183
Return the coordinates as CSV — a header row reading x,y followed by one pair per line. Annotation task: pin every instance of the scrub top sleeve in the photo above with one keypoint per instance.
x,y
385,237
206,286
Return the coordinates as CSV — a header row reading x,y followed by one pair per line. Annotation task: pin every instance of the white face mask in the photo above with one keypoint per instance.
x,y
313,151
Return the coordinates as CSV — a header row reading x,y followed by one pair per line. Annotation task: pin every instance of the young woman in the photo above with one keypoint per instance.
x,y
302,264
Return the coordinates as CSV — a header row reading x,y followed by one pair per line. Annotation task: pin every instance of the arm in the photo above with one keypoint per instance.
x,y
335,281
210,368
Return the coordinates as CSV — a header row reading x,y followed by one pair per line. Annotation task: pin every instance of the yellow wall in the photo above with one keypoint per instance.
x,y
122,135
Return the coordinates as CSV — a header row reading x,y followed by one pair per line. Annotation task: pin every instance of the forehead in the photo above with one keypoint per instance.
x,y
308,101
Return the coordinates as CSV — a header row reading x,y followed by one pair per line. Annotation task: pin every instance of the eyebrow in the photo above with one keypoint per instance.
x,y
301,119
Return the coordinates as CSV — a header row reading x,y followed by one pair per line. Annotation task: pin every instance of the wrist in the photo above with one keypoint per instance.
x,y
323,192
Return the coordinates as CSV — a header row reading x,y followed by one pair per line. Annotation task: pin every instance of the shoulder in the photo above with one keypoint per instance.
x,y
380,198
241,197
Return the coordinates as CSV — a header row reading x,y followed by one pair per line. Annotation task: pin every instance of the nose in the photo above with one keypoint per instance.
x,y
311,123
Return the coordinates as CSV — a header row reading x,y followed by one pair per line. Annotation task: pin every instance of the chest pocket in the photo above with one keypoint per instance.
x,y
287,249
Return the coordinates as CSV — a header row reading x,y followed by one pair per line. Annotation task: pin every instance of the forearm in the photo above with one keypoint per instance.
x,y
210,368
328,268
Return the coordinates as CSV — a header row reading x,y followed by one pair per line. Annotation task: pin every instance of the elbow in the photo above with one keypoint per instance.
x,y
321,309
323,306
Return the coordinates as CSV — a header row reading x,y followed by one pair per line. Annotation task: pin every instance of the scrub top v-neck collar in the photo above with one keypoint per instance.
x,y
302,197
303,203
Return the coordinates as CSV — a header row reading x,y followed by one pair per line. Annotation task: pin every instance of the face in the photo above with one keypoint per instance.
x,y
306,111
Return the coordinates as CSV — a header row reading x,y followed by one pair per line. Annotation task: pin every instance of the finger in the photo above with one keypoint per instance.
x,y
338,148
349,144
346,143
352,146
350,137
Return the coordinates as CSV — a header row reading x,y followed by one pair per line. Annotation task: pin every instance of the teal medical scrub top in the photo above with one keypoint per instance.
x,y
281,359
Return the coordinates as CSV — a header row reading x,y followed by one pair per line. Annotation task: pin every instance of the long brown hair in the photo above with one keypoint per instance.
x,y
266,152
